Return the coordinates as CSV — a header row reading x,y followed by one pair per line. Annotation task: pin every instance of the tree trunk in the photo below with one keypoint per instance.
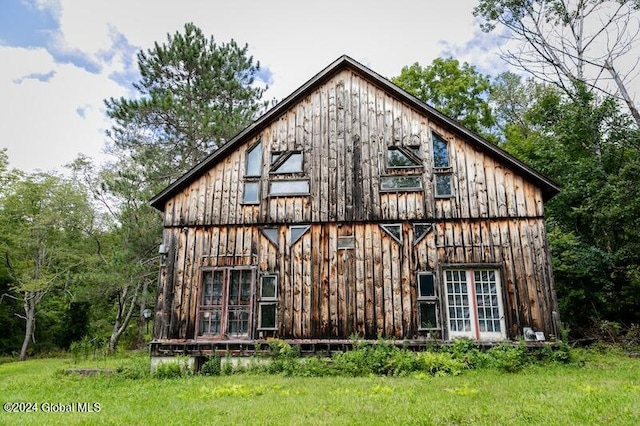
x,y
30,318
123,316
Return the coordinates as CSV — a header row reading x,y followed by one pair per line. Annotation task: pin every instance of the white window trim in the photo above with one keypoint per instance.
x,y
474,333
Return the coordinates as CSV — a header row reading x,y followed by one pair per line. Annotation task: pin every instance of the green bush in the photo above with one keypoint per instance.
x,y
509,358
212,366
134,368
172,369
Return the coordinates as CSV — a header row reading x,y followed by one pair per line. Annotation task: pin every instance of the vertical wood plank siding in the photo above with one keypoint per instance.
x,y
343,129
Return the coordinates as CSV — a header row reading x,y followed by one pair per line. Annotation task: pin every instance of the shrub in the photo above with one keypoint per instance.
x,y
507,357
212,366
172,369
134,368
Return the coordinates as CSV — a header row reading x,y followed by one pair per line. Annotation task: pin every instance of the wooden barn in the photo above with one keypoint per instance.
x,y
353,208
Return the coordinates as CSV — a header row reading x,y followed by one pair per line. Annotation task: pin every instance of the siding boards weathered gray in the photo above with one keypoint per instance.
x,y
343,127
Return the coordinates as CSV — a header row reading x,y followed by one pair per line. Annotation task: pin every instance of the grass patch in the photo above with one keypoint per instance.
x,y
604,390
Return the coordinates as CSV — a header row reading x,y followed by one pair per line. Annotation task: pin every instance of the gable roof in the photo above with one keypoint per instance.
x,y
549,188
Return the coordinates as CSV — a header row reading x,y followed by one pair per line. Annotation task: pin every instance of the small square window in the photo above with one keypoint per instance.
x,y
268,315
251,192
426,287
269,287
428,315
443,185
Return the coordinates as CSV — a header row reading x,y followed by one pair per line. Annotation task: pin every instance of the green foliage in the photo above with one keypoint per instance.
x,y
173,369
459,91
385,358
591,149
134,368
212,366
194,95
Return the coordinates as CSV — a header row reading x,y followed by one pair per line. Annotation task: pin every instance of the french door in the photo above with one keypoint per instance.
x,y
474,304
224,309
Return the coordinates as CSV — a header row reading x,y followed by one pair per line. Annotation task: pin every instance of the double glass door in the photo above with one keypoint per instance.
x,y
225,302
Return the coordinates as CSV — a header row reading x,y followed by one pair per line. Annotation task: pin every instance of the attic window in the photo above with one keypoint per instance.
x,y
420,230
296,232
394,231
401,157
441,167
254,160
286,162
440,151
271,234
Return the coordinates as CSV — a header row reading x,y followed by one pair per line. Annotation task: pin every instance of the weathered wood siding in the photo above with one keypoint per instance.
x,y
326,292
344,127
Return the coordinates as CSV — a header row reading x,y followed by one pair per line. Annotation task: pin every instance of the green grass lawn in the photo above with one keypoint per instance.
x,y
605,391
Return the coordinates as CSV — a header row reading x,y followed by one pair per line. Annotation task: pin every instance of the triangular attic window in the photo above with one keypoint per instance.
x,y
271,234
394,231
420,230
295,232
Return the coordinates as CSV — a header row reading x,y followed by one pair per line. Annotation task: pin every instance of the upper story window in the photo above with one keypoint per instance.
x,y
403,157
287,162
441,166
400,183
253,171
289,187
254,160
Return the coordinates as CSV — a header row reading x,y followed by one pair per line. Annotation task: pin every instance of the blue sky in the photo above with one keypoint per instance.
x,y
62,58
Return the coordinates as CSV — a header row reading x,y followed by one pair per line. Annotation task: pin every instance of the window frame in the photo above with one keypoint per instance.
x,y
409,153
290,193
267,301
474,331
440,170
431,300
268,237
416,238
250,150
385,228
401,189
305,229
202,308
244,192
282,158
346,242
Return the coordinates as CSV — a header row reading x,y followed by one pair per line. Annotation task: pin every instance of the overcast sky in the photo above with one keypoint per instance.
x,y
61,58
